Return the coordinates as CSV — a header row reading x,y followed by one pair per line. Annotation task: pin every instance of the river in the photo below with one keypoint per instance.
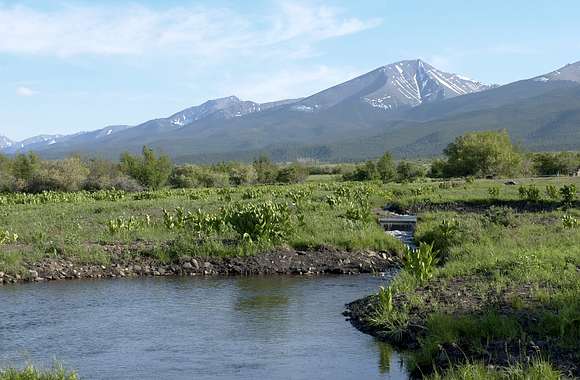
x,y
195,328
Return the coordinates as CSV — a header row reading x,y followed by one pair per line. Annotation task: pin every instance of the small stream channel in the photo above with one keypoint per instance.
x,y
269,327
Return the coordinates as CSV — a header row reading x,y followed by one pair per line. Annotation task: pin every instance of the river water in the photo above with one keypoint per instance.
x,y
195,328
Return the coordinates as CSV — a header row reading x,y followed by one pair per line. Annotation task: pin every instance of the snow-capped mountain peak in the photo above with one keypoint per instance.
x,y
224,108
402,84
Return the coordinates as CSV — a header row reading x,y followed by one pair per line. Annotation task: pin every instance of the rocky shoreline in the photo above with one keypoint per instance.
x,y
284,261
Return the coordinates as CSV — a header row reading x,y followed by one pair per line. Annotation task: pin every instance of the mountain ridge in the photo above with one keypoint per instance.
x,y
407,94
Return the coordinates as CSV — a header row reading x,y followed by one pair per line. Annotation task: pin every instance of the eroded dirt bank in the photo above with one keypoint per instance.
x,y
283,261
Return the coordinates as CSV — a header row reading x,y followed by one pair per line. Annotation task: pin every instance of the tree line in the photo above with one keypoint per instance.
x,y
477,154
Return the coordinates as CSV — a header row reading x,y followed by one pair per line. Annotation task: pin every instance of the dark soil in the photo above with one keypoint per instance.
x,y
474,206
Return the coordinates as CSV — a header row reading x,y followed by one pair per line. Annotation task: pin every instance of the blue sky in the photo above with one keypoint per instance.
x,y
67,66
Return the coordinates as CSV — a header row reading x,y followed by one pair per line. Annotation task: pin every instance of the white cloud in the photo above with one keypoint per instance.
x,y
193,31
25,91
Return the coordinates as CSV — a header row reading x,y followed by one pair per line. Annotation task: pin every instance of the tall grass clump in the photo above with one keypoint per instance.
x,y
386,317
421,262
32,373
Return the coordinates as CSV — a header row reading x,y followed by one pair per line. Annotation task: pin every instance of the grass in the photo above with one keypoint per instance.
x,y
32,373
538,370
505,280
82,229
507,284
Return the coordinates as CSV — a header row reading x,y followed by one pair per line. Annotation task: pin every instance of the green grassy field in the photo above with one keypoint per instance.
x,y
503,287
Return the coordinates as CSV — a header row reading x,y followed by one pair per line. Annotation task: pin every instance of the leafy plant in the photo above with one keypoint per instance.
x,y
122,224
386,317
8,237
552,192
568,193
493,191
530,193
570,222
502,216
421,262
266,221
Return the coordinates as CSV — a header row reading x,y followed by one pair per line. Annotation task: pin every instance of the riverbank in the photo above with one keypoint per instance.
x,y
282,261
505,293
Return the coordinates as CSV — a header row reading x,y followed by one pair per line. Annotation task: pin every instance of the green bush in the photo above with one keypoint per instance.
x,y
66,175
481,154
444,236
529,193
501,216
568,194
294,173
151,171
409,172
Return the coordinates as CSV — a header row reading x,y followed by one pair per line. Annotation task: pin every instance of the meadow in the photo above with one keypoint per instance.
x,y
495,280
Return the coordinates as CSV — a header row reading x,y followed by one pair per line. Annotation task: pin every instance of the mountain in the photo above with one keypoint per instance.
x,y
32,143
5,142
570,72
408,107
44,142
398,85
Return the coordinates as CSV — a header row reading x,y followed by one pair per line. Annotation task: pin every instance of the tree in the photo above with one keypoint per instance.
x,y
482,154
294,173
150,171
62,175
25,166
408,171
386,168
556,163
266,171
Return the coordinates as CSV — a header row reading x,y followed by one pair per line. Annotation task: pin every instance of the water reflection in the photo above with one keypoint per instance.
x,y
214,328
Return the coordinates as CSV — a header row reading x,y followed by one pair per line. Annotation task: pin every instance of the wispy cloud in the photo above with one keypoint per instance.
x,y
193,31
25,91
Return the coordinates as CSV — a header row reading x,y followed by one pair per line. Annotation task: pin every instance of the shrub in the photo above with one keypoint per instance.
x,y
409,172
482,154
502,216
493,191
126,183
444,236
386,168
147,169
529,193
292,174
362,172
562,163
266,171
190,176
62,175
568,193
